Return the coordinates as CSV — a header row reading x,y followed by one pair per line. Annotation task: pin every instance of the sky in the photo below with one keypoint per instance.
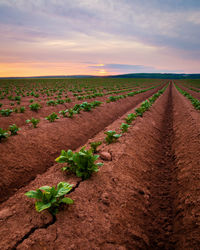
x,y
98,37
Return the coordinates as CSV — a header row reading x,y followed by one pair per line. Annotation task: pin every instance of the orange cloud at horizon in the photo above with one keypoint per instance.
x,y
48,69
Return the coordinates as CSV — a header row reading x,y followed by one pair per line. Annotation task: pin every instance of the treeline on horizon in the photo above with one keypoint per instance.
x,y
132,75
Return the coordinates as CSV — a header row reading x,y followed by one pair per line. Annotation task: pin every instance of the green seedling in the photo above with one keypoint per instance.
x,y
35,106
68,100
96,103
71,113
15,110
86,106
33,121
63,112
130,118
111,136
124,127
59,101
77,108
22,109
3,134
13,129
94,146
81,163
52,117
6,112
51,103
50,198
144,106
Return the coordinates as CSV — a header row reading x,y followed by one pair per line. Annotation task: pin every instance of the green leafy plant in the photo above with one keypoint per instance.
x,y
52,117
33,121
124,127
17,98
144,106
22,109
3,134
15,110
96,103
1,104
94,146
51,103
68,100
13,129
35,106
59,101
86,106
77,108
71,113
51,198
63,112
130,118
81,163
111,136
6,112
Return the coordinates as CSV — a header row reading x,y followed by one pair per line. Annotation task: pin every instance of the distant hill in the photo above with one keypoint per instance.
x,y
133,75
158,76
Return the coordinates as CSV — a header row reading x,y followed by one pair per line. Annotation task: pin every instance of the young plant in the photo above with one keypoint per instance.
x,y
130,118
50,198
13,129
35,106
68,100
124,127
71,113
22,109
3,134
15,110
94,146
6,112
111,136
77,108
96,103
81,163
33,121
86,106
51,103
63,112
52,117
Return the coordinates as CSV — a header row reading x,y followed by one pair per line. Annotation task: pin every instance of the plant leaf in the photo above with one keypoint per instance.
x,y
40,206
66,200
34,194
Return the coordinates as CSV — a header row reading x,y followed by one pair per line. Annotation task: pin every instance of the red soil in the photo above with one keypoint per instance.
x,y
147,197
33,151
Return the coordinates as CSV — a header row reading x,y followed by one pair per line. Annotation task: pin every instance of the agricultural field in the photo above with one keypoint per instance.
x,y
99,164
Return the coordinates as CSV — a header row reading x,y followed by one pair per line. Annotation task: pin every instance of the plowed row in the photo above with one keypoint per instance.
x,y
34,151
147,197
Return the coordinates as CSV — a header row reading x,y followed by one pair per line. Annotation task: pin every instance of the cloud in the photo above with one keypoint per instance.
x,y
127,68
122,67
124,35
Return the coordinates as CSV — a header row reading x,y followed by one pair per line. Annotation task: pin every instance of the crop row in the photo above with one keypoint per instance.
x,y
194,101
35,106
82,163
85,106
